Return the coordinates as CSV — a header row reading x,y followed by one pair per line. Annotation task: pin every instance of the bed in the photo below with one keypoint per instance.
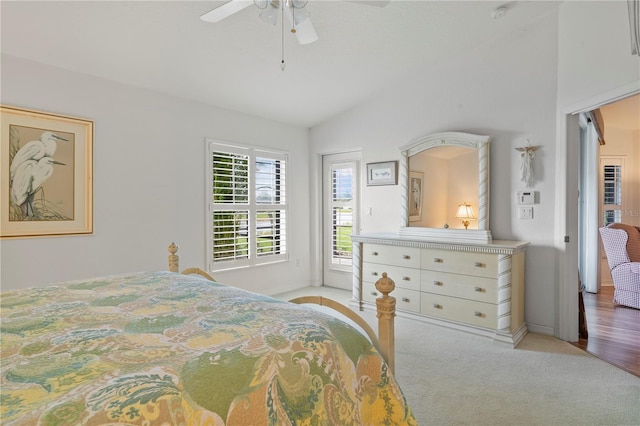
x,y
163,348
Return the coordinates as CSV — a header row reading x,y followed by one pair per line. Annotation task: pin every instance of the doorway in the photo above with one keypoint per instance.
x,y
609,187
340,213
609,192
567,229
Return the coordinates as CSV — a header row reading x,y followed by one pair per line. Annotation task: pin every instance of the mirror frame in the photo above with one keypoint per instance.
x,y
468,140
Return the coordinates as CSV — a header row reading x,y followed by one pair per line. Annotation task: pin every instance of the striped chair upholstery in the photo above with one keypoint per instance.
x,y
622,246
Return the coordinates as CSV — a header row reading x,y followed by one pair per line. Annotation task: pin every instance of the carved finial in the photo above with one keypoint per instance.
x,y
173,258
386,305
385,285
173,248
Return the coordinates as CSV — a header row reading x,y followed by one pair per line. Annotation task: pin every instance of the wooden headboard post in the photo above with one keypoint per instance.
x,y
174,259
386,306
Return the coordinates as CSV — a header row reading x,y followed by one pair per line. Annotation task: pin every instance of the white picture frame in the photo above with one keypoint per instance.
x,y
382,173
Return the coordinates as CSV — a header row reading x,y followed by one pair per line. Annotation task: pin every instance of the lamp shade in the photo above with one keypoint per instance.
x,y
465,211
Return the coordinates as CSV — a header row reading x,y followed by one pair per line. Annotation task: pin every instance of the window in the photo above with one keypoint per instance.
x,y
612,184
611,190
342,214
247,205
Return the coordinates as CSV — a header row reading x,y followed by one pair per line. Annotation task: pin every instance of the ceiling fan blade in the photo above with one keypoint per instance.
x,y
226,10
305,31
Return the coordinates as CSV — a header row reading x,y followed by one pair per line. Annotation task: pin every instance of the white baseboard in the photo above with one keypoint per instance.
x,y
279,289
541,329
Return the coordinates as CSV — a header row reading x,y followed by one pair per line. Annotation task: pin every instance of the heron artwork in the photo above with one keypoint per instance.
x,y
31,166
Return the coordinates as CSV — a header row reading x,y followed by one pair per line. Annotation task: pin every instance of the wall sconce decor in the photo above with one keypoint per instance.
x,y
526,169
465,212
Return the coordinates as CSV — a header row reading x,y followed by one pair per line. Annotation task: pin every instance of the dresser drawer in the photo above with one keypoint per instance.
x,y
403,277
461,310
463,286
468,263
406,300
408,257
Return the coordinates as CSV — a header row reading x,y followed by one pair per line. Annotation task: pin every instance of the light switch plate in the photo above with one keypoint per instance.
x,y
525,212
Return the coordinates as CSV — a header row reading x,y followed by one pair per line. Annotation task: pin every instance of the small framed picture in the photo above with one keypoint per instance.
x,y
415,196
383,173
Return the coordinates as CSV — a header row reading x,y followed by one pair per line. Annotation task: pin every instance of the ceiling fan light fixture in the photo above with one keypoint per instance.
x,y
298,4
261,4
269,15
299,17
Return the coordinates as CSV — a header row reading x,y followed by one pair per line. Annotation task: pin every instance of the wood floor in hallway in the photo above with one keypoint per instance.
x,y
614,331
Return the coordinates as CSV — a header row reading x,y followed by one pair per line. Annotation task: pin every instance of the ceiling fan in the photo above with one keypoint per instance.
x,y
299,19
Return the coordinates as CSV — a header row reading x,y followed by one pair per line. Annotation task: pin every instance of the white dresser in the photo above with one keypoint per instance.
x,y
473,287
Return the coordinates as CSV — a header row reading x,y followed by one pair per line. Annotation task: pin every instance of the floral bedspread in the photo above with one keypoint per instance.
x,y
168,349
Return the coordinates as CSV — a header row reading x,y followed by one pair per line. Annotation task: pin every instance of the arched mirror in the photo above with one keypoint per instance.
x,y
444,179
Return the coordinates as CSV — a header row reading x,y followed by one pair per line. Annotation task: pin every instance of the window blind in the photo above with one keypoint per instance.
x,y
612,185
248,206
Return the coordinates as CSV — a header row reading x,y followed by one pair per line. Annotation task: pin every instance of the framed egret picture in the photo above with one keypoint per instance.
x,y
383,173
46,183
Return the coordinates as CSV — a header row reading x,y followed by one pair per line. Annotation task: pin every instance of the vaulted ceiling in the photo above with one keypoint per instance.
x,y
235,64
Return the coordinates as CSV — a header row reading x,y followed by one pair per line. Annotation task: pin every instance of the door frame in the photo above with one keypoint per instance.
x,y
566,214
351,156
588,236
316,250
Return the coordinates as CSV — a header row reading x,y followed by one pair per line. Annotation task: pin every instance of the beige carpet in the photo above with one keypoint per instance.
x,y
454,378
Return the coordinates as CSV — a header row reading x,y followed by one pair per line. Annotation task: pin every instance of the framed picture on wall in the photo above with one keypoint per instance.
x,y
416,180
383,173
47,179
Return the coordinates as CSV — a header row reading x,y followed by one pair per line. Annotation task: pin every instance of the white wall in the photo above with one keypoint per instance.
x,y
595,66
149,181
594,51
507,90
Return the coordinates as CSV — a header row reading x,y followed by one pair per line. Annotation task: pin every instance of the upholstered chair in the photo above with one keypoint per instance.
x,y
622,246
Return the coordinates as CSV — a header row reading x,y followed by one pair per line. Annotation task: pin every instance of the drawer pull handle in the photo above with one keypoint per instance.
x,y
406,278
373,293
437,306
406,257
480,265
375,274
478,314
406,299
479,289
374,253
438,283
437,260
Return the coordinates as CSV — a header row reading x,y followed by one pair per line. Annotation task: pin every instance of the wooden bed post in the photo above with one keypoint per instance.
x,y
386,317
174,259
